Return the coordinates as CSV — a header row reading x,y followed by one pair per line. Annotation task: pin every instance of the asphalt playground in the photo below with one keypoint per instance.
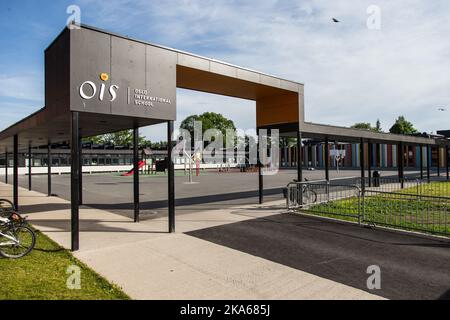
x,y
209,190
412,266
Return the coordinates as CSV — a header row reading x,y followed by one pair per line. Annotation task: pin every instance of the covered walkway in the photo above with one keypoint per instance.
x,y
97,82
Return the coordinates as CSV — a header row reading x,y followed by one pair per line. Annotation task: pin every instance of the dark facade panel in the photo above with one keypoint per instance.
x,y
161,77
90,57
117,76
57,77
128,73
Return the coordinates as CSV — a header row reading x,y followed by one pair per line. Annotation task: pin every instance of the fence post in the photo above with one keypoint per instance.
x,y
361,163
300,189
419,187
446,162
288,203
328,191
359,207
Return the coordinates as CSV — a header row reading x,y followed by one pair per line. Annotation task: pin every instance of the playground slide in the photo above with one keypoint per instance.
x,y
129,173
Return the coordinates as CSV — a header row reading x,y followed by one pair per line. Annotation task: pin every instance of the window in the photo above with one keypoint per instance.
x,y
37,162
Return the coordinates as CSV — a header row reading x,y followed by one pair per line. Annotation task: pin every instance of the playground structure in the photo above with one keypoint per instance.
x,y
141,164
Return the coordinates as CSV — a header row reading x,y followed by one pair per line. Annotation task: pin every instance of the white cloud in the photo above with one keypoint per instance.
x,y
25,87
11,112
351,74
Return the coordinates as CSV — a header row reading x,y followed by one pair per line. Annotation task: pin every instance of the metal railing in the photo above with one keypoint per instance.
x,y
407,211
388,184
323,197
419,205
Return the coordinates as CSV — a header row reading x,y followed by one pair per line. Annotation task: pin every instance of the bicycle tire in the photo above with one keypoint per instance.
x,y
310,195
8,209
29,248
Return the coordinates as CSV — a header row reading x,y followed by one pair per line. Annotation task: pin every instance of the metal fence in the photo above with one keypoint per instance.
x,y
411,204
387,184
407,211
324,197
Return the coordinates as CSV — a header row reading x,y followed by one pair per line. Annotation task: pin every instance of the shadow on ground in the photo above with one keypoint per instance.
x,y
412,267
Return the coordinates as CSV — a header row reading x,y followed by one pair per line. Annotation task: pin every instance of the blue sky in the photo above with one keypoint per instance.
x,y
351,73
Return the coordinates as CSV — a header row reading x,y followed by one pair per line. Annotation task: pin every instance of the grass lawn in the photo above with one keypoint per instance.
x,y
42,275
405,212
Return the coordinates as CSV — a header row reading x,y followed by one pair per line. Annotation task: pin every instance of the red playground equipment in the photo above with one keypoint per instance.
x,y
129,173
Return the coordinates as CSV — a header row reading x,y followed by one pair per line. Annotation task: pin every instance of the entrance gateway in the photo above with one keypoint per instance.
x,y
97,82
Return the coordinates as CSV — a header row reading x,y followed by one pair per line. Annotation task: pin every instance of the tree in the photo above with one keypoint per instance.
x,y
378,126
402,126
120,138
368,126
362,125
210,120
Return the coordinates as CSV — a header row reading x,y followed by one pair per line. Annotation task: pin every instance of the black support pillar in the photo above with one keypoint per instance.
x,y
362,164
438,161
446,163
16,173
30,159
171,177
369,168
49,169
428,163
136,173
400,163
421,162
327,159
299,157
80,173
260,175
74,183
6,167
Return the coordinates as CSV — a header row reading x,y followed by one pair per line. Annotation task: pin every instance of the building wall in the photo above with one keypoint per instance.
x,y
383,156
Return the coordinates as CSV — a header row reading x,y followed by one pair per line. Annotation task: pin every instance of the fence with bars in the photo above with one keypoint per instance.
x,y
411,204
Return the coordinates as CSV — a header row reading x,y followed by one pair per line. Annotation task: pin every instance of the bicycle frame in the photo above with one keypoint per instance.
x,y
15,241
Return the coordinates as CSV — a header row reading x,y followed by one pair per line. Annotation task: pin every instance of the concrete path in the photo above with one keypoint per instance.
x,y
149,263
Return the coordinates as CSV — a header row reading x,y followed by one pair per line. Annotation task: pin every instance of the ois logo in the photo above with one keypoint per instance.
x,y
88,89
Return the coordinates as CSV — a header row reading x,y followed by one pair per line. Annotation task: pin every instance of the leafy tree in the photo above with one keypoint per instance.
x,y
362,125
378,126
368,126
162,145
402,126
94,140
120,138
209,120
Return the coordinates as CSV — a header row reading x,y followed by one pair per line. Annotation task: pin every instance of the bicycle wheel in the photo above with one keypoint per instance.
x,y
6,207
309,196
25,240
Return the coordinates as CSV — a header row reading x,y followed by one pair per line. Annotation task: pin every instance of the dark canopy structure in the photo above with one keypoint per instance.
x,y
98,82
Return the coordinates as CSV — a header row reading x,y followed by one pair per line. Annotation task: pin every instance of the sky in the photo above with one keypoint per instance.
x,y
352,72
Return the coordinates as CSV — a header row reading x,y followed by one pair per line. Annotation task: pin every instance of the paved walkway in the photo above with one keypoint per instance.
x,y
149,263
